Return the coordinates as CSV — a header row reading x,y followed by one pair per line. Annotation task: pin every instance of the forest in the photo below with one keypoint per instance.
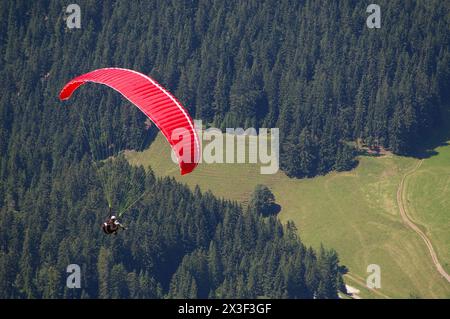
x,y
310,68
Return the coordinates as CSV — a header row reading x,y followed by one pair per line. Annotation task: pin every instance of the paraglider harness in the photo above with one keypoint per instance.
x,y
112,225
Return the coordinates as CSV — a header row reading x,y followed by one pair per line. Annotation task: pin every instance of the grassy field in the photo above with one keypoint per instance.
x,y
353,212
429,201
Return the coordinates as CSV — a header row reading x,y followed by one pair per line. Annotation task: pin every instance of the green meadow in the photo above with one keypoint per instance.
x,y
355,212
429,201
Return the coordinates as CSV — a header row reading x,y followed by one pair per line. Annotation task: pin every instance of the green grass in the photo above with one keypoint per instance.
x,y
353,212
429,201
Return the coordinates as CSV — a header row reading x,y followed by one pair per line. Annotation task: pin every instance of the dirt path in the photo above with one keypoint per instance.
x,y
401,201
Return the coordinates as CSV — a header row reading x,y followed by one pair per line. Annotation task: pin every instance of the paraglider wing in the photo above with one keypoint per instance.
x,y
161,107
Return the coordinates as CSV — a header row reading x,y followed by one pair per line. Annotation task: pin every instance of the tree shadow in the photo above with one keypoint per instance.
x,y
273,210
150,134
343,269
425,147
439,137
365,152
425,153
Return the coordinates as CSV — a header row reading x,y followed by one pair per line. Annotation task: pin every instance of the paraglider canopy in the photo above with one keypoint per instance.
x,y
161,107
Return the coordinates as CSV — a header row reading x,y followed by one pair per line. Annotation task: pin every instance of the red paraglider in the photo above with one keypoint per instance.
x,y
161,107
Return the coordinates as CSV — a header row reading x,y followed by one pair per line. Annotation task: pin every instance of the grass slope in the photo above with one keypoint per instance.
x,y
353,212
428,199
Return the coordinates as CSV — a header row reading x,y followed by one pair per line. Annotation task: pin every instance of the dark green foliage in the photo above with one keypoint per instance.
x,y
263,200
300,66
179,245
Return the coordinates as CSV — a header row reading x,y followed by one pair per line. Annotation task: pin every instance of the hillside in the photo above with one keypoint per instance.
x,y
311,69
355,212
428,198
